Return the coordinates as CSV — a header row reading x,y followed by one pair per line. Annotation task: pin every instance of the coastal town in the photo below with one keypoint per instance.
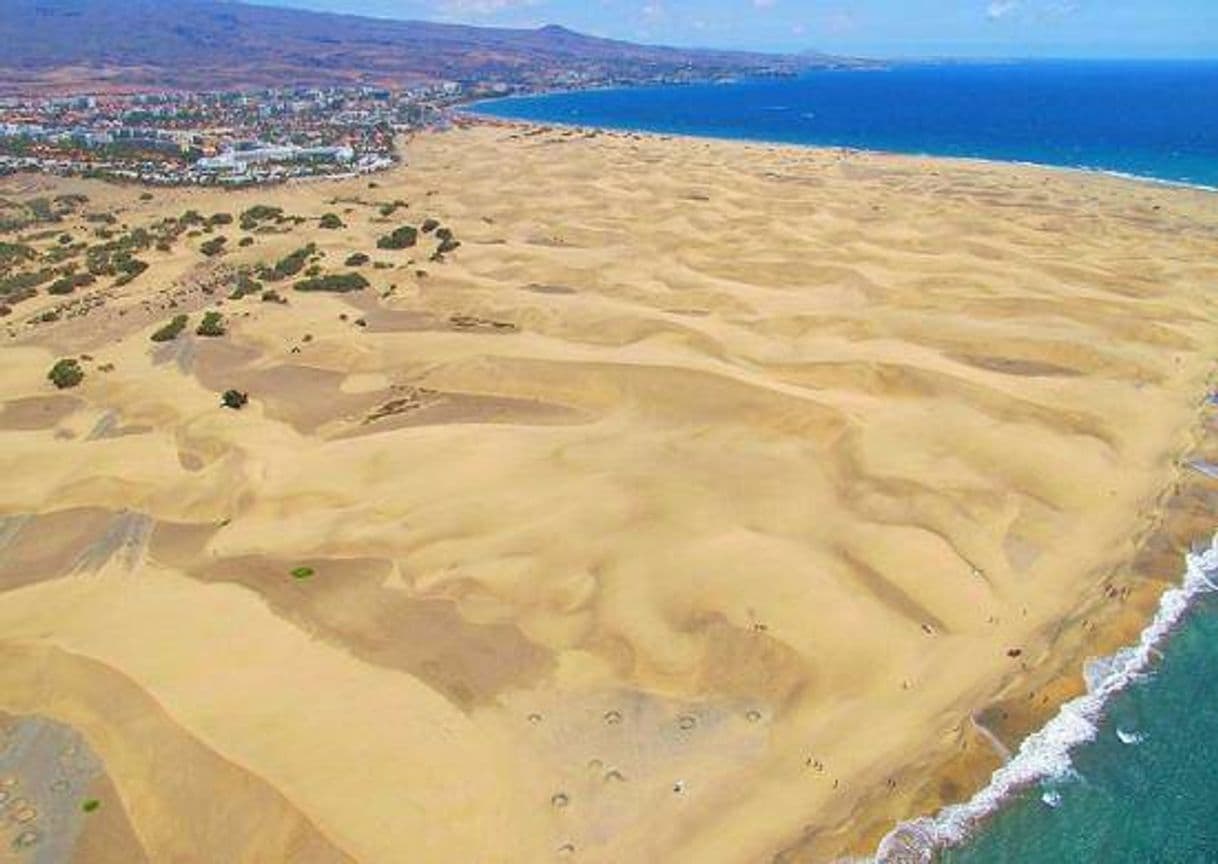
x,y
220,138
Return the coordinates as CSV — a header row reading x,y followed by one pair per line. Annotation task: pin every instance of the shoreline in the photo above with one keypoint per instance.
x,y
1109,651
467,111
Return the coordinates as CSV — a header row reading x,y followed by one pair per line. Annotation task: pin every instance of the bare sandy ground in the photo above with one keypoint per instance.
x,y
697,508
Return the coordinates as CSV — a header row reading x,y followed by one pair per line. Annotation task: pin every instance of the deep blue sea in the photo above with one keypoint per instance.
x,y
1152,119
1129,773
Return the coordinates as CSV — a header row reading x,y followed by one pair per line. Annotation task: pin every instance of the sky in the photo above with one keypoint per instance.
x,y
874,28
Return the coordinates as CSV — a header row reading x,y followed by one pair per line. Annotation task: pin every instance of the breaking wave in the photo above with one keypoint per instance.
x,y
1045,755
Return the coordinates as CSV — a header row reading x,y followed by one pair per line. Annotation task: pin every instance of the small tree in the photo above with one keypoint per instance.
x,y
331,222
66,373
211,325
234,399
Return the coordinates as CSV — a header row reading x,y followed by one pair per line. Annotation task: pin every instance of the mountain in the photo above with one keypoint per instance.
x,y
65,45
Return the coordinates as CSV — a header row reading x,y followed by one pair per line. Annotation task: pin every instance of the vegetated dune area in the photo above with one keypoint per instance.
x,y
701,502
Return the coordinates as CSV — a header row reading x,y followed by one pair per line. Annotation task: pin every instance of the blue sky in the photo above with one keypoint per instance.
x,y
967,28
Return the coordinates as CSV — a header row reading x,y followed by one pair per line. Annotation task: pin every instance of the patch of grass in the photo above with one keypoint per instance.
x,y
302,572
90,805
66,373
171,330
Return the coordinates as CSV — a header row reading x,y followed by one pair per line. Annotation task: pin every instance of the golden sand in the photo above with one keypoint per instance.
x,y
688,512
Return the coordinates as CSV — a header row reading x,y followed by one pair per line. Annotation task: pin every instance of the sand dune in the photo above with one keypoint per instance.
x,y
689,511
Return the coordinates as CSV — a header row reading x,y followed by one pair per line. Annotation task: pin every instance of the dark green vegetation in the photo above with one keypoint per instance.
x,y
213,246
22,215
172,330
389,209
117,257
246,285
211,325
331,222
20,286
289,265
234,399
66,373
272,296
68,284
402,238
335,283
356,259
430,225
302,572
15,253
256,216
90,805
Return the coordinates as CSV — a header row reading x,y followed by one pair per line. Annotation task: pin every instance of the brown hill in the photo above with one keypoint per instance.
x,y
57,45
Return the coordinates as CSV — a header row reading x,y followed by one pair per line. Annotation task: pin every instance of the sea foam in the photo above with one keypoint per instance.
x,y
1045,755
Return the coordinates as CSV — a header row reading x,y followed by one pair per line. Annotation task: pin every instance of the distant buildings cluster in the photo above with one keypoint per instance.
x,y
217,138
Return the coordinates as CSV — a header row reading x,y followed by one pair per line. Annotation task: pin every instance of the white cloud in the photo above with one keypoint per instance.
x,y
482,7
999,9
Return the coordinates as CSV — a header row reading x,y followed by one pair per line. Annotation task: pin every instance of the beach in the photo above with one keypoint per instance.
x,y
711,502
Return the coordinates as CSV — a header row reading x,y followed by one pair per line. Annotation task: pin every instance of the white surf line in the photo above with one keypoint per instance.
x,y
1045,755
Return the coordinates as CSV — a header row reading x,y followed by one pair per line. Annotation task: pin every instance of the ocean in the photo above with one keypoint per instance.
x,y
1151,119
1127,774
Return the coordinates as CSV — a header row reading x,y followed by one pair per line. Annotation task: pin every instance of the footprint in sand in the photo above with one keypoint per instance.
x,y
613,718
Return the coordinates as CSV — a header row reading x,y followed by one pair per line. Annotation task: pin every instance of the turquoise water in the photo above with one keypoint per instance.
x,y
1156,120
1153,800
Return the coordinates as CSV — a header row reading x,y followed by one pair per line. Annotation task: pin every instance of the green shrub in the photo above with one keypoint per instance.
x,y
402,238
234,399
292,263
211,325
214,246
66,373
430,225
331,222
338,284
69,283
246,285
91,804
356,259
302,572
272,296
172,330
221,219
